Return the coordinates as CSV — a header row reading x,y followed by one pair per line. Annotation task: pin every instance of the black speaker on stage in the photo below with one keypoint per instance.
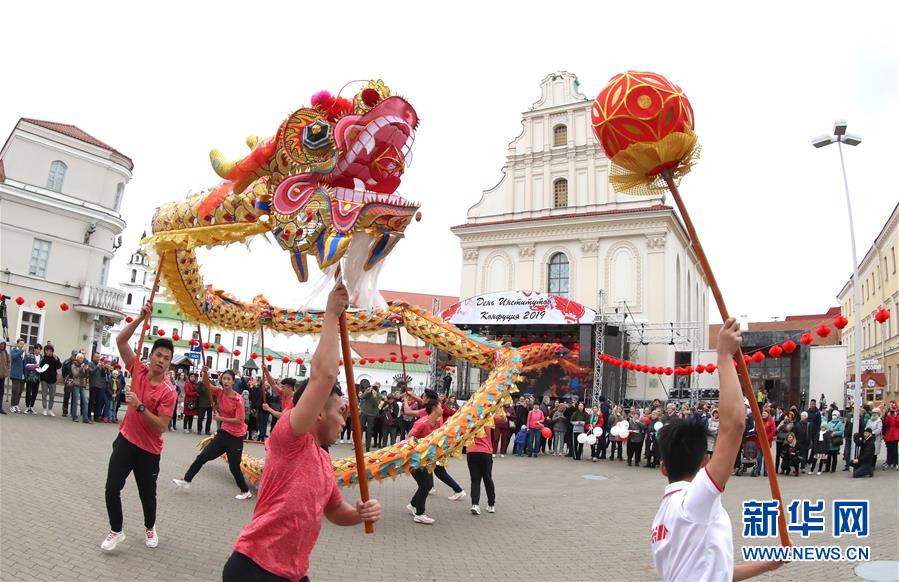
x,y
585,339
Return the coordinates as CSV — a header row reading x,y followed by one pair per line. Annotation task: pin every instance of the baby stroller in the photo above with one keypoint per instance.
x,y
749,454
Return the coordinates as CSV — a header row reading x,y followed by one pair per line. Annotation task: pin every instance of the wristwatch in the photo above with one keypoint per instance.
x,y
141,407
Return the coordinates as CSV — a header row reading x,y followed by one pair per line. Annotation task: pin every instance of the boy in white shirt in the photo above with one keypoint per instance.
x,y
691,534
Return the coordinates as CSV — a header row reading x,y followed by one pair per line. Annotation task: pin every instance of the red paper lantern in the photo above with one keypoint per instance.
x,y
806,339
175,337
636,111
40,303
269,358
160,332
236,352
840,322
380,360
206,345
546,432
192,342
299,360
882,315
758,357
747,358
392,358
362,361
416,355
668,371
128,319
65,307
220,349
700,368
254,355
405,357
285,359
710,368
147,327
20,300
823,330
775,352
789,346
428,352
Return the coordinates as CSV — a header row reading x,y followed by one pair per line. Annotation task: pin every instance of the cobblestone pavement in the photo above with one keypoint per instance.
x,y
551,522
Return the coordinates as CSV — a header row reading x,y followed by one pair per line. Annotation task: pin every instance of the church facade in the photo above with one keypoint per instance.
x,y
554,224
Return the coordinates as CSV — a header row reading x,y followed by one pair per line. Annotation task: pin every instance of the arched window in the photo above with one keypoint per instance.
x,y
560,135
133,275
56,176
560,193
129,299
557,275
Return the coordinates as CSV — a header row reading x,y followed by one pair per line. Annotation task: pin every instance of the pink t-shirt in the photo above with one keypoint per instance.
x,y
423,427
535,418
482,444
297,485
232,407
160,399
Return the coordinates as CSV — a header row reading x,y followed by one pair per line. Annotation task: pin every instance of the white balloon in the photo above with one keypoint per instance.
x,y
591,440
658,425
597,431
582,438
616,431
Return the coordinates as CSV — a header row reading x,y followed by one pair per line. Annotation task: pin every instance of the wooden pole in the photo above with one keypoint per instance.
x,y
361,474
262,376
205,370
742,368
143,328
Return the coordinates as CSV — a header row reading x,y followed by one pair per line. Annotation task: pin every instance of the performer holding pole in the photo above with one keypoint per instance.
x,y
298,486
138,447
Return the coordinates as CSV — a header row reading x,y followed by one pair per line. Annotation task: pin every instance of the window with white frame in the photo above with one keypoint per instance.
x,y
30,329
56,176
40,254
560,193
557,275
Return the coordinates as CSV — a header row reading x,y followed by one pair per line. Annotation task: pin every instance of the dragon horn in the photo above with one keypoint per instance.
x,y
221,166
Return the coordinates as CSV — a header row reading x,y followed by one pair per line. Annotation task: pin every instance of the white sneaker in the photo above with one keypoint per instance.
x,y
475,510
112,540
50,412
494,455
181,483
818,473
16,410
432,491
45,412
152,538
501,456
29,410
423,519
491,509
244,495
457,496
410,508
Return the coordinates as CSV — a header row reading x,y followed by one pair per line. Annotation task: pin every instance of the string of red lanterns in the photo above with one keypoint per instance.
x,y
775,351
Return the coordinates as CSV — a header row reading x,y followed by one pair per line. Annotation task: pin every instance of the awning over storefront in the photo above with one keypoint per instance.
x,y
518,308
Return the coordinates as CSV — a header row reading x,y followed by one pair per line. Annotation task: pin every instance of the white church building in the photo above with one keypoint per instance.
x,y
555,225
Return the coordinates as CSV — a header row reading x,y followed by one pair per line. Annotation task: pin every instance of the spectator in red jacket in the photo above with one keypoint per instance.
x,y
891,435
770,432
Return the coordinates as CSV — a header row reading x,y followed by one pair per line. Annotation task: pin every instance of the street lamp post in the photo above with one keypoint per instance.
x,y
840,137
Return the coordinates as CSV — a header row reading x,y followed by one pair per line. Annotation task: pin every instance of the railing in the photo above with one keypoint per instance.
x,y
102,298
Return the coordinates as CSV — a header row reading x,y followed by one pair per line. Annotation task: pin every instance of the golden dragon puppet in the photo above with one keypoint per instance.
x,y
325,185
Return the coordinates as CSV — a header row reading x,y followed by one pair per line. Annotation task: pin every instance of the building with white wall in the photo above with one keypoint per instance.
x,y
60,194
554,224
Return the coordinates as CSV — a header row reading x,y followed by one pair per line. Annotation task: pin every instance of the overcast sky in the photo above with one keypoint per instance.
x,y
165,83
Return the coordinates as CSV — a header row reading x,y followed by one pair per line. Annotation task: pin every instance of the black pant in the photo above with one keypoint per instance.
x,y
862,470
223,443
189,422
480,466
207,412
31,393
66,395
127,457
578,451
778,447
425,481
262,420
600,447
240,568
440,473
95,404
892,453
633,450
616,446
831,463
2,390
368,424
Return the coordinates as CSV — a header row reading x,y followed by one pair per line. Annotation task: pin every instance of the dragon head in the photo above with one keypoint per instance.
x,y
330,172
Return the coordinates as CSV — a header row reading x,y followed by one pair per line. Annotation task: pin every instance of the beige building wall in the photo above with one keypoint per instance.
x,y
879,281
